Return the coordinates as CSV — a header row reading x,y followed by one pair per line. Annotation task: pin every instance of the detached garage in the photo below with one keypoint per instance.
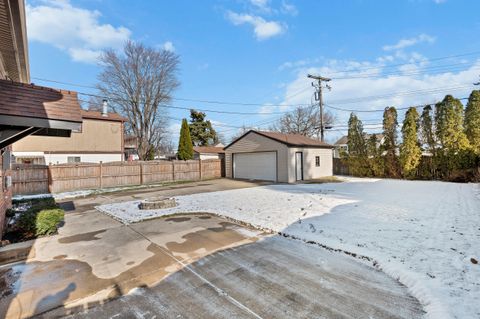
x,y
277,157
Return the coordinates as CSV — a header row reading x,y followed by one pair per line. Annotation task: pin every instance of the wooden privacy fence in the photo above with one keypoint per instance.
x,y
38,179
340,168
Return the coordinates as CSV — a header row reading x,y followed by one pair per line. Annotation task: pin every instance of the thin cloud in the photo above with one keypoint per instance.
x,y
288,8
262,28
168,46
261,4
408,42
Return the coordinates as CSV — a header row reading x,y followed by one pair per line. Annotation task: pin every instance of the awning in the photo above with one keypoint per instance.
x,y
27,109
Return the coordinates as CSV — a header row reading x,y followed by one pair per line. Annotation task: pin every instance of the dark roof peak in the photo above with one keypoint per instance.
x,y
291,140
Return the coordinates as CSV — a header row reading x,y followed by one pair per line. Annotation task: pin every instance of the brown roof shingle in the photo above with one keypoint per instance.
x,y
288,139
28,100
294,139
208,149
95,115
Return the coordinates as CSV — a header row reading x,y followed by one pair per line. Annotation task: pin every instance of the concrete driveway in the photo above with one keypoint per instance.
x,y
190,266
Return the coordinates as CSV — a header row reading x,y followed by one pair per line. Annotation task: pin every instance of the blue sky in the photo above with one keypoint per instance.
x,y
259,51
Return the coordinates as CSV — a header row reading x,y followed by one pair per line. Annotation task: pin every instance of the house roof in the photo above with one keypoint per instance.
x,y
96,115
13,35
291,140
344,139
28,100
208,149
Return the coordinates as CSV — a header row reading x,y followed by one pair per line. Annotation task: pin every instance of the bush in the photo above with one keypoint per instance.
x,y
47,221
41,218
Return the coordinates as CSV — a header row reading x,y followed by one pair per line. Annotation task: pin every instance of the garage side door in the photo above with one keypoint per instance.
x,y
259,166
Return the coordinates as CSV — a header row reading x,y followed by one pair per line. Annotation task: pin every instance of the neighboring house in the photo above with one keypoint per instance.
x,y
99,140
208,152
277,157
341,146
25,109
130,147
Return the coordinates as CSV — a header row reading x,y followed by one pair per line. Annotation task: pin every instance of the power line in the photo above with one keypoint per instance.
x,y
200,109
206,101
403,93
401,74
184,99
403,64
382,110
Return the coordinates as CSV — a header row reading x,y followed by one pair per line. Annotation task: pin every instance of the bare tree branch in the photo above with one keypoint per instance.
x,y
137,82
304,121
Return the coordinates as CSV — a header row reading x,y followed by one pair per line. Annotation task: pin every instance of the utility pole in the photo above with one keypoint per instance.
x,y
319,98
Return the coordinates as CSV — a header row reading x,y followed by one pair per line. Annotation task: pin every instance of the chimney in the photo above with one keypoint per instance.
x,y
105,108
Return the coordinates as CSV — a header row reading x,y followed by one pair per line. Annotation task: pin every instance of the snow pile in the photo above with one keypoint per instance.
x,y
423,233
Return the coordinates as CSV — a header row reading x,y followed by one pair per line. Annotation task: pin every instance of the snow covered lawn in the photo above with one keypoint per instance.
x,y
426,234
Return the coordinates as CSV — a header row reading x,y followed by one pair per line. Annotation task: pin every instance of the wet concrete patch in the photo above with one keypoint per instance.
x,y
81,237
60,257
42,286
87,269
272,278
177,219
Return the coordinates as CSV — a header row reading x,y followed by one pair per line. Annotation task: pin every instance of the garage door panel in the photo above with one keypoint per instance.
x,y
258,166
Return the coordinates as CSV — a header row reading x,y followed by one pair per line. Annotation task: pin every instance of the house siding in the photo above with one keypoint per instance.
x,y
310,171
253,142
96,136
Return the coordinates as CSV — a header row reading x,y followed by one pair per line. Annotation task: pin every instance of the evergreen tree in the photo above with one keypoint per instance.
x,y
201,131
357,157
151,153
472,120
410,152
185,146
375,158
428,143
390,125
449,124
455,148
427,132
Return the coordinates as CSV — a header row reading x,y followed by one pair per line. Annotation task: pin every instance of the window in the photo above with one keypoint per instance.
x,y
317,161
73,159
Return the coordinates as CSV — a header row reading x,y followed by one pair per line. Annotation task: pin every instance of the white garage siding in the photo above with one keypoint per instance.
x,y
253,142
310,170
258,166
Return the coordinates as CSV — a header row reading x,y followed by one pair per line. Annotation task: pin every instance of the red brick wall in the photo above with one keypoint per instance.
x,y
5,196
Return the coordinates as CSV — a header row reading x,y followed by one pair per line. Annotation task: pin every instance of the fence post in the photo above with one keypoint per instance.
x,y
101,174
49,177
200,168
141,173
173,170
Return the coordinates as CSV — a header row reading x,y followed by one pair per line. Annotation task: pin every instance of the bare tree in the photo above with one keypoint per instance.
x,y
244,129
94,103
137,82
304,121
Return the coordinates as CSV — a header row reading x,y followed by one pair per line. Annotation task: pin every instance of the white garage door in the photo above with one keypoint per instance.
x,y
259,166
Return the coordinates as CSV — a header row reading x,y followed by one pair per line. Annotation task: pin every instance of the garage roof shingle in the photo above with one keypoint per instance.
x,y
292,140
